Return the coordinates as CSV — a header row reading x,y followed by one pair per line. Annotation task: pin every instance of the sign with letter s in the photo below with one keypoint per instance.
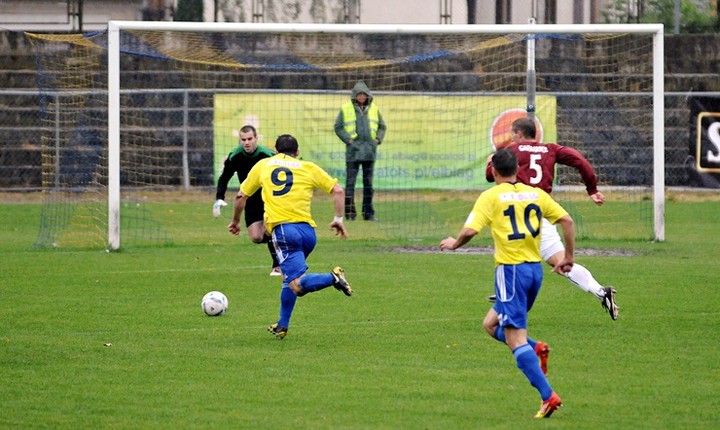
x,y
703,161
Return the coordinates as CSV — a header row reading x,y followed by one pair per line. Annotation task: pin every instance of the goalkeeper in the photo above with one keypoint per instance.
x,y
240,161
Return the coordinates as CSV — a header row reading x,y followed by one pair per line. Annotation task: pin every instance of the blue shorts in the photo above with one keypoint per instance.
x,y
293,244
516,287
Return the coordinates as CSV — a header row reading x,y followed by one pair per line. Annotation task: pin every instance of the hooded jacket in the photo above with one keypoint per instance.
x,y
368,122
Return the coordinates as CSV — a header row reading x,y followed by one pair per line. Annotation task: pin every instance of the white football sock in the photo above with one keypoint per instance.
x,y
583,279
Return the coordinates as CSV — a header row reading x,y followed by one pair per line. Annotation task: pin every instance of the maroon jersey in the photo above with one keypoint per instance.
x,y
536,165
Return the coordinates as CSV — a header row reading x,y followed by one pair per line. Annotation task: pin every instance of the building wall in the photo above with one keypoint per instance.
x,y
52,15
410,12
429,11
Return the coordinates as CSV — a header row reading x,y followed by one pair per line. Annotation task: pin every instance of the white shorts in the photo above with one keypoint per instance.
x,y
550,242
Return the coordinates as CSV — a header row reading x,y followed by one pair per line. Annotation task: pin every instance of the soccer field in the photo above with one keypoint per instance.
x,y
90,339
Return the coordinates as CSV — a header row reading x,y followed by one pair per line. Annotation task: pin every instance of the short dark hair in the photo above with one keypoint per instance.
x,y
286,144
526,126
247,128
505,162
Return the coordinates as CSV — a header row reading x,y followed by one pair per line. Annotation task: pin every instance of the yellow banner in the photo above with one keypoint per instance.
x,y
432,142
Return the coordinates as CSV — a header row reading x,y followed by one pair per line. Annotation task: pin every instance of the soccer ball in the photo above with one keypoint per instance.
x,y
214,303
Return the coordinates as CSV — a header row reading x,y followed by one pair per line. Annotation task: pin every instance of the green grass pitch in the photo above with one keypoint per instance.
x,y
90,339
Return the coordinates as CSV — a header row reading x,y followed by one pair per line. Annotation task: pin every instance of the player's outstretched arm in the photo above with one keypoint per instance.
x,y
339,202
240,202
450,243
568,228
571,157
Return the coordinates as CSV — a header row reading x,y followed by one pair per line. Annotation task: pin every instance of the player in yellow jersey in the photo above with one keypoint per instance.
x,y
514,212
287,186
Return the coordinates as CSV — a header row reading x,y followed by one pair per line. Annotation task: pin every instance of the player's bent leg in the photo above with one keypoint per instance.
x,y
278,331
583,279
490,322
296,288
275,271
542,350
256,232
550,243
312,282
578,275
527,361
340,282
608,303
528,364
287,304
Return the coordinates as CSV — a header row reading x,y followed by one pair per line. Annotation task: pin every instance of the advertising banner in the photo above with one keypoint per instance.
x,y
432,141
703,162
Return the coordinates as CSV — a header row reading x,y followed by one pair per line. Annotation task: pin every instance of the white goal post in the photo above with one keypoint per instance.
x,y
115,28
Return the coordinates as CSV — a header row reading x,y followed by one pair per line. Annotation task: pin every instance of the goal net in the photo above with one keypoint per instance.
x,y
147,110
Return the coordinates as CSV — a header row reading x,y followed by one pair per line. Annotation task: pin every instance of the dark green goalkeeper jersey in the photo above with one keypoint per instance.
x,y
239,162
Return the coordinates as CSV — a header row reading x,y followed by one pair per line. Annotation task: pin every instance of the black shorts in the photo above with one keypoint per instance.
x,y
254,209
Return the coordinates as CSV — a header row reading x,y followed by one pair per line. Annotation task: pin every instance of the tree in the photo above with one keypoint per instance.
x,y
696,16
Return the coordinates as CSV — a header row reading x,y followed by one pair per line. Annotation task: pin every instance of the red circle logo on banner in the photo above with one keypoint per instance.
x,y
501,129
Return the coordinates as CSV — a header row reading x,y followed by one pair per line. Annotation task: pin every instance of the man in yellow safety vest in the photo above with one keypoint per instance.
x,y
361,127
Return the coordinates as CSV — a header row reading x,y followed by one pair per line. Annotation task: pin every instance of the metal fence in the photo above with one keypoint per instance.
x,y
187,127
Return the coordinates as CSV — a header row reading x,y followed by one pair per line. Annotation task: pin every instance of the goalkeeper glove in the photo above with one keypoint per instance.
x,y
216,207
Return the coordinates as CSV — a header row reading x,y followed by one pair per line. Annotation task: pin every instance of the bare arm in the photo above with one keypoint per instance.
x,y
450,243
339,202
568,228
240,202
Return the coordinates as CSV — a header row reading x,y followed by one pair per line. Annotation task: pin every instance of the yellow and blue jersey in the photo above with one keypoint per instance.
x,y
287,187
514,213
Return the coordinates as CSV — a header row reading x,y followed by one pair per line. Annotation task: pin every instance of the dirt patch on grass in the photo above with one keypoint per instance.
x,y
207,194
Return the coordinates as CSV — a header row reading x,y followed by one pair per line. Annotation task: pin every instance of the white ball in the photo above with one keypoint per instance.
x,y
214,303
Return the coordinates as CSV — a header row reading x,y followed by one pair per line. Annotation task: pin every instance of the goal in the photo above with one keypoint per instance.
x,y
149,109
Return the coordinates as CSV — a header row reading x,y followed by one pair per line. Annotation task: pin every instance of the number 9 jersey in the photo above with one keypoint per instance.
x,y
514,213
287,187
